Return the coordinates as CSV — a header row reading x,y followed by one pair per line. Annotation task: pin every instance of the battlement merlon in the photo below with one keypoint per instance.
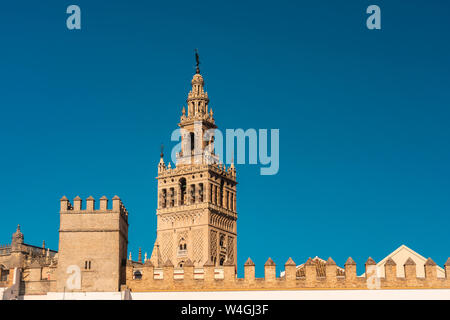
x,y
117,206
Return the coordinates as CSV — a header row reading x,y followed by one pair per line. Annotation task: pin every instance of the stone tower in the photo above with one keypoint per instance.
x,y
196,215
92,245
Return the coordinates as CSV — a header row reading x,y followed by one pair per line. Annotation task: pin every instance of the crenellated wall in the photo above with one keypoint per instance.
x,y
76,208
210,277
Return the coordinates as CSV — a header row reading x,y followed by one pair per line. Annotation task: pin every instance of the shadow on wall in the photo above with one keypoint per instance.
x,y
12,293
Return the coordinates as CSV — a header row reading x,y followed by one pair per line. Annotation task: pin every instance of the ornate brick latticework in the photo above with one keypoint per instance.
x,y
198,244
197,197
167,246
213,246
230,249
182,235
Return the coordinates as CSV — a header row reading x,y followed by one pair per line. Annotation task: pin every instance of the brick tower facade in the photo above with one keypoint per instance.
x,y
196,214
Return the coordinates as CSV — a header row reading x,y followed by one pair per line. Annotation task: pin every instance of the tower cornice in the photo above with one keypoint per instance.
x,y
205,120
198,168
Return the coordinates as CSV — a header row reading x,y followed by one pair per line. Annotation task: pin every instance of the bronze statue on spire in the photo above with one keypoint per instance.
x,y
197,59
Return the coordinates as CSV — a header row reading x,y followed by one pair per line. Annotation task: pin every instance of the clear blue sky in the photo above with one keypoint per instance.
x,y
363,117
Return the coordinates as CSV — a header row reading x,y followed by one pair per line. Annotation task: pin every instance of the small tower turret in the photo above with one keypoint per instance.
x,y
161,165
17,249
17,237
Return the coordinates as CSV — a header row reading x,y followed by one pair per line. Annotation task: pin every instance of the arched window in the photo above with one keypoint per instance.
x,y
211,193
200,192
216,201
4,273
222,260
172,197
182,183
163,198
192,137
227,202
182,247
137,275
192,193
221,193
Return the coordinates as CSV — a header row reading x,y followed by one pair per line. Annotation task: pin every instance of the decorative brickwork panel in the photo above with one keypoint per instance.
x,y
197,242
182,235
230,248
167,246
213,244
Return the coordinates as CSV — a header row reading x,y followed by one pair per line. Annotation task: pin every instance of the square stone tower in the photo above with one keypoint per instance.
x,y
196,215
92,246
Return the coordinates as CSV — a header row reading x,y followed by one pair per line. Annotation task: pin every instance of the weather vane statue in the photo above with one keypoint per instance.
x,y
197,59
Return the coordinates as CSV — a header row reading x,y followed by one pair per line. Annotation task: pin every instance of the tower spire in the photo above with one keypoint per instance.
x,y
197,101
197,120
197,60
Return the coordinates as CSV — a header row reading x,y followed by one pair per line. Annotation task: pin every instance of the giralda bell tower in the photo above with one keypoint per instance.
x,y
196,215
